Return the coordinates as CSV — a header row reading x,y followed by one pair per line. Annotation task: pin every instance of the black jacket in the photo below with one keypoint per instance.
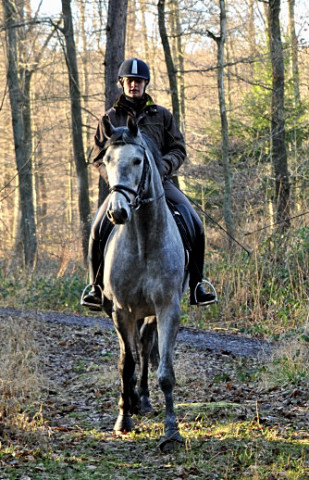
x,y
155,121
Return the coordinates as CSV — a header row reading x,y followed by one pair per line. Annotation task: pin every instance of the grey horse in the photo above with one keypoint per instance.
x,y
144,272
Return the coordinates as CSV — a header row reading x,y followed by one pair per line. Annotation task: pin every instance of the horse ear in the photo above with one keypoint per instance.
x,y
108,128
132,126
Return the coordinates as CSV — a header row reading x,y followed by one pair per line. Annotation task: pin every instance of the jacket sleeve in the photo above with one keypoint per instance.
x,y
99,142
174,152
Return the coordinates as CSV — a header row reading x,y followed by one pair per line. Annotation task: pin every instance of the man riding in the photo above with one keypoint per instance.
x,y
157,123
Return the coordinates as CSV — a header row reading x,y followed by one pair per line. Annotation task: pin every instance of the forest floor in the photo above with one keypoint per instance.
x,y
235,426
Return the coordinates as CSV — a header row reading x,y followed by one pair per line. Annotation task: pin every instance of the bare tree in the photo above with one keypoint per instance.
x,y
294,51
77,133
114,56
179,57
115,47
279,154
19,73
227,198
171,71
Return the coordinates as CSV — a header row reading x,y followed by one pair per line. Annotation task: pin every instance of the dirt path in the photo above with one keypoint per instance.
x,y
223,408
229,344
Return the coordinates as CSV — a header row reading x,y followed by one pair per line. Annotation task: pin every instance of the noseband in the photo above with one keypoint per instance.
x,y
145,177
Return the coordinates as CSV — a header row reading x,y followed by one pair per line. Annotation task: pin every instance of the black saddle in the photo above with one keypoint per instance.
x,y
184,223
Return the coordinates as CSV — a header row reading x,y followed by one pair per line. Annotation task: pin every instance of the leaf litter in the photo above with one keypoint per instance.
x,y
235,426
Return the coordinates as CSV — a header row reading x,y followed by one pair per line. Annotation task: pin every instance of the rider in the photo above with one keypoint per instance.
x,y
157,123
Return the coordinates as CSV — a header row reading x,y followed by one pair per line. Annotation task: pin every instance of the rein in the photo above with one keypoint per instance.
x,y
146,175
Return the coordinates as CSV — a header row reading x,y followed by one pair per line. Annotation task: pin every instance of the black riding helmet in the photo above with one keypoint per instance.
x,y
134,68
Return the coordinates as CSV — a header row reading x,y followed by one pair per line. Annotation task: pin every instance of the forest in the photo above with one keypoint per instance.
x,y
235,79
235,76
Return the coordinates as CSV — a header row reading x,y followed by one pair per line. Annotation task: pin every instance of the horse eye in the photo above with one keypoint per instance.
x,y
137,161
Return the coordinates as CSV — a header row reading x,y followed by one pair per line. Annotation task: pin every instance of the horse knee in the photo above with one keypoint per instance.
x,y
166,379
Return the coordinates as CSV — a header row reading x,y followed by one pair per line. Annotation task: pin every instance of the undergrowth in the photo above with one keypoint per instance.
x,y
266,294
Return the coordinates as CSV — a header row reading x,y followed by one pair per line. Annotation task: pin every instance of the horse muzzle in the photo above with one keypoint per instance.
x,y
118,216
118,212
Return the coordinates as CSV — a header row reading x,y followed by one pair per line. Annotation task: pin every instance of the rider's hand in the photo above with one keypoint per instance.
x,y
166,166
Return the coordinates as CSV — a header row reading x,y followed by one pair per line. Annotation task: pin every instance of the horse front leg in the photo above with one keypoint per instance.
x,y
147,338
168,324
129,397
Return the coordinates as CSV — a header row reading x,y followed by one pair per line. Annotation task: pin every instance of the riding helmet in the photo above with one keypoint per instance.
x,y
134,68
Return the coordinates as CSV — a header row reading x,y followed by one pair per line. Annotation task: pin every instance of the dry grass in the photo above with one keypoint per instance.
x,y
20,380
290,362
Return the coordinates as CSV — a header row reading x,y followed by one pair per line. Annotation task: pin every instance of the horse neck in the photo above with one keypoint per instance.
x,y
150,221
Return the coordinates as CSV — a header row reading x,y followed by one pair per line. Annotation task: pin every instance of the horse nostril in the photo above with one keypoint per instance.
x,y
117,216
124,213
110,215
121,216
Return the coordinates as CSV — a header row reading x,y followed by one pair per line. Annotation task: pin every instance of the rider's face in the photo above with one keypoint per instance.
x,y
134,87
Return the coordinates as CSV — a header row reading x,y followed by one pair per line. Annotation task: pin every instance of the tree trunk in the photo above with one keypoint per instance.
x,y
114,56
77,133
115,47
279,154
88,137
227,198
169,61
294,52
180,63
143,12
19,91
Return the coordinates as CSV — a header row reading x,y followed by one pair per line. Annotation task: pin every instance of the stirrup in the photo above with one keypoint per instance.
x,y
94,306
213,291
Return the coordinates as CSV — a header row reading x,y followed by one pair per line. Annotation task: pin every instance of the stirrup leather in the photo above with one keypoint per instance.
x,y
213,291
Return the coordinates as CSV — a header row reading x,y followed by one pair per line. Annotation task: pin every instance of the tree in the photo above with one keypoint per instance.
x,y
294,51
18,78
227,198
179,57
114,56
279,154
169,61
115,47
76,119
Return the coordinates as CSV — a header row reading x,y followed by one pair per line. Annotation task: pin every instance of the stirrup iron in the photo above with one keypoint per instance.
x,y
212,289
95,306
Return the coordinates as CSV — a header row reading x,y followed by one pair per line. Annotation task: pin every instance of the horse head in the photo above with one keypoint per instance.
x,y
127,167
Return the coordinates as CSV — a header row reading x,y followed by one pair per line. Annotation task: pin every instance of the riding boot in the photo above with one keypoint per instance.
x,y
93,299
100,232
198,294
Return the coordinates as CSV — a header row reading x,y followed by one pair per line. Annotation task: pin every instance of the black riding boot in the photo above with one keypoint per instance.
x,y
101,230
93,299
198,294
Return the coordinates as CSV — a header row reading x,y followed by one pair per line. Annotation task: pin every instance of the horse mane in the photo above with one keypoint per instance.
x,y
154,151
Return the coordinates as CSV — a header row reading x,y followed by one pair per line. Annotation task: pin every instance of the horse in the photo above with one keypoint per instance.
x,y
144,272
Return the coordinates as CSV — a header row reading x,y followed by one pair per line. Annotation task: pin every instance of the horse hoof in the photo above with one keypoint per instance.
x,y
124,423
145,406
169,443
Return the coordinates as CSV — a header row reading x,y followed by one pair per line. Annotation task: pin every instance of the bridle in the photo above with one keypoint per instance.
x,y
145,179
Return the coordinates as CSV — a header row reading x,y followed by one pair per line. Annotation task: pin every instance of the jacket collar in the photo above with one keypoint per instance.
x,y
133,108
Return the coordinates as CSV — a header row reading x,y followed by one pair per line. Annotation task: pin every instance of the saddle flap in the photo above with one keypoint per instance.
x,y
184,223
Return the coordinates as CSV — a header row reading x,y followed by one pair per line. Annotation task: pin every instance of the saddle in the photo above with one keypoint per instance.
x,y
184,223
